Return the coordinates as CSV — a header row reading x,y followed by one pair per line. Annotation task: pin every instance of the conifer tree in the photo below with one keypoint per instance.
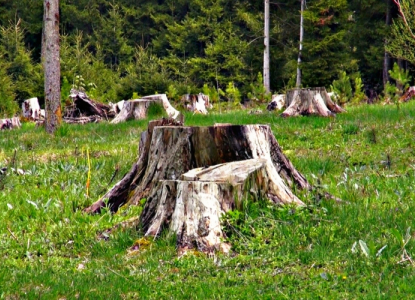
x,y
110,37
401,43
326,50
368,30
26,75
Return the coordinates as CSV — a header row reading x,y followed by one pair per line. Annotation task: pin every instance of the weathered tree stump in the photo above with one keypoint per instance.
x,y
138,108
191,176
196,103
10,123
31,109
409,94
277,102
82,106
313,101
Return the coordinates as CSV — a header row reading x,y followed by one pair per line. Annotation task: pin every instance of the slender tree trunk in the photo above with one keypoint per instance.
x,y
387,59
298,83
266,49
52,65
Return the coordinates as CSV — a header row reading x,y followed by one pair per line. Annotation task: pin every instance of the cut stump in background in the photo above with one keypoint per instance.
x,y
31,109
312,101
137,109
197,103
277,102
10,123
84,108
191,176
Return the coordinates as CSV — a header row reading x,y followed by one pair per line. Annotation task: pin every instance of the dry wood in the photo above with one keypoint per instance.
x,y
119,193
83,106
191,176
410,93
31,109
138,108
277,102
82,120
10,123
315,101
194,205
196,103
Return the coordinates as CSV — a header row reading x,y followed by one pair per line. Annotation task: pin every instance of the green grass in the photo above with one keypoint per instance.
x,y
49,249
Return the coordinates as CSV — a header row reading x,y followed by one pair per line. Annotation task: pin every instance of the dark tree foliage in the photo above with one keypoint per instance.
x,y
368,42
114,48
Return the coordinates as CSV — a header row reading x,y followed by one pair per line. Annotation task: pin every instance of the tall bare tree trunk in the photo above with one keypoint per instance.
x,y
266,49
298,82
387,59
51,65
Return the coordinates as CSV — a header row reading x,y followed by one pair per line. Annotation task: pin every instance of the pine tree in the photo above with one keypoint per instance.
x,y
401,43
111,39
326,50
25,74
368,31
8,105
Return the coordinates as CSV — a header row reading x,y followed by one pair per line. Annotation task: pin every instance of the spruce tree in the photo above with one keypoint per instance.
x,y
26,74
326,50
401,43
368,31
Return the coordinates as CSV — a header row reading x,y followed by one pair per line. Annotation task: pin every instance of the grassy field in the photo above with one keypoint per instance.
x,y
360,249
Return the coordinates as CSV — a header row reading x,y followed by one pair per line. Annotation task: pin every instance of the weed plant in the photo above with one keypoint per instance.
x,y
359,249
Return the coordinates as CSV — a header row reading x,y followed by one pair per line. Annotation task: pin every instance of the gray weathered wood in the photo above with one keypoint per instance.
x,y
312,101
10,123
138,108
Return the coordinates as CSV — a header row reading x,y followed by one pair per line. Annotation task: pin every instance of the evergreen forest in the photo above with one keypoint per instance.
x,y
115,49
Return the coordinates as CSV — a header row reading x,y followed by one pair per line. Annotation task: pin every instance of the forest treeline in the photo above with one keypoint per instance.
x,y
118,49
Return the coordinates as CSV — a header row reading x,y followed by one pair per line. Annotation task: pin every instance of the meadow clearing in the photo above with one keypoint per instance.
x,y
359,249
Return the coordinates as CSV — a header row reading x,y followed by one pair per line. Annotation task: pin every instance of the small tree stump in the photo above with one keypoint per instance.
x,y
138,108
31,109
191,176
277,102
197,103
10,123
313,101
82,106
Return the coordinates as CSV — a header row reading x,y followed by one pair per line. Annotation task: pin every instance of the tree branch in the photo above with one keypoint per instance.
x,y
398,4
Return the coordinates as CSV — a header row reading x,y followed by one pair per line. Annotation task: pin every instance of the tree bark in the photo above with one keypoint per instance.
x,y
313,101
52,65
387,59
298,81
191,176
266,48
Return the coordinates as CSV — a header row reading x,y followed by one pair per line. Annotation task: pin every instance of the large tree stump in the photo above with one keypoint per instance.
x,y
313,101
191,176
138,108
